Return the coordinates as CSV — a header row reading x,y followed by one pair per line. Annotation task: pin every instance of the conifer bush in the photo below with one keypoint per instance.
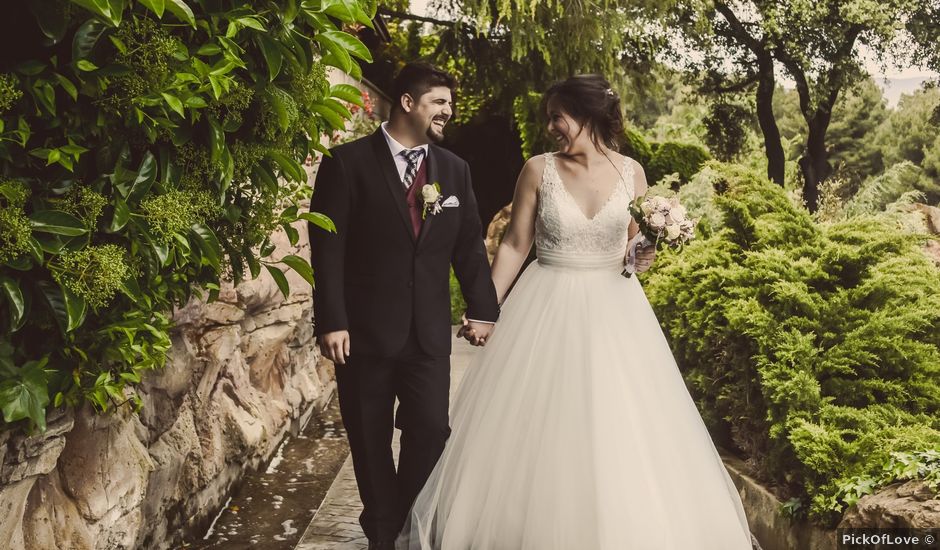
x,y
813,348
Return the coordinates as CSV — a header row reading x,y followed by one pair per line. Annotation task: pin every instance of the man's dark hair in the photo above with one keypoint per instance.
x,y
417,79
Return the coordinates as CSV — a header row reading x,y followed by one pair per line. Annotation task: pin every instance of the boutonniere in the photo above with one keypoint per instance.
x,y
431,195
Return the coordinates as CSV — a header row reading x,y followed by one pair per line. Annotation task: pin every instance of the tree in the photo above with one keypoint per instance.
x,y
853,146
815,43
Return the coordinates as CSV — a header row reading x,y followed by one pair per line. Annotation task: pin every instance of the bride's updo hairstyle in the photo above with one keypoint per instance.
x,y
590,100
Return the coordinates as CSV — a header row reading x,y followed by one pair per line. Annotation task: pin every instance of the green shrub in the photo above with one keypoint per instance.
x,y
683,159
813,348
151,149
636,147
458,306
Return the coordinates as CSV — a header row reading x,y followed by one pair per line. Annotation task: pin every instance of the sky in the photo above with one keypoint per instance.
x,y
892,81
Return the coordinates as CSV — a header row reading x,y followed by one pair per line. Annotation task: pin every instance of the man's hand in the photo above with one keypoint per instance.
x,y
335,346
644,258
475,333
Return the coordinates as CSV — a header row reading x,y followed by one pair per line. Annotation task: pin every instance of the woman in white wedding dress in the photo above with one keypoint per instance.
x,y
573,428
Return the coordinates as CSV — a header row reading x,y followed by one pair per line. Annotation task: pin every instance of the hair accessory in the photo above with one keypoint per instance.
x,y
609,92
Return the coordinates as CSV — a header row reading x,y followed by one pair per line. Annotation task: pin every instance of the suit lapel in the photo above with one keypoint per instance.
x,y
395,186
432,161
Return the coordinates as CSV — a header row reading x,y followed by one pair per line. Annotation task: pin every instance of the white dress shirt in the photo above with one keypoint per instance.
x,y
396,148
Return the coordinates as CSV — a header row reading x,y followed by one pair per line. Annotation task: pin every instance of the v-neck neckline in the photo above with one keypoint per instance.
x,y
606,202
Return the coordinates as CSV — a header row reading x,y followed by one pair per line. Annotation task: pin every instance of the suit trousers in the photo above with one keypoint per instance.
x,y
368,387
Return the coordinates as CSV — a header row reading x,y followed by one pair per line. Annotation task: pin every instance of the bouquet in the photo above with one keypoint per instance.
x,y
662,221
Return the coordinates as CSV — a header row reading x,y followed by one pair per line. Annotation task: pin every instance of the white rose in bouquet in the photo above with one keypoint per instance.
x,y
677,213
646,208
657,221
673,231
661,204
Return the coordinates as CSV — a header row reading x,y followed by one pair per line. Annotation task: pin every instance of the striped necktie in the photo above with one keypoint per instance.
x,y
413,157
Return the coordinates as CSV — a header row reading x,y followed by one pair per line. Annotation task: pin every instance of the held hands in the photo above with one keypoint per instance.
x,y
644,257
335,346
475,333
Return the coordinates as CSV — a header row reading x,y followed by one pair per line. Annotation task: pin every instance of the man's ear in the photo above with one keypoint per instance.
x,y
407,102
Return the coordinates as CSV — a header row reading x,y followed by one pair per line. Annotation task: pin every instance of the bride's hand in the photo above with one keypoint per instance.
x,y
644,258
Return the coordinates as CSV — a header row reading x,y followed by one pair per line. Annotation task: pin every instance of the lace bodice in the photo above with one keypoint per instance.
x,y
563,233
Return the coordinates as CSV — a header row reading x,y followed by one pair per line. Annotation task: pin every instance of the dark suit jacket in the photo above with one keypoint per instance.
x,y
373,277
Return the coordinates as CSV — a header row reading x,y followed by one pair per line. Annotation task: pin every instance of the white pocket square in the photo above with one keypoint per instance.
x,y
451,201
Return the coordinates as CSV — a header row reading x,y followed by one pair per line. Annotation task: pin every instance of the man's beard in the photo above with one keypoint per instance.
x,y
435,135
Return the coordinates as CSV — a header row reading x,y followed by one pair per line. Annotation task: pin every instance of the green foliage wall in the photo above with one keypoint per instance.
x,y
813,348
153,156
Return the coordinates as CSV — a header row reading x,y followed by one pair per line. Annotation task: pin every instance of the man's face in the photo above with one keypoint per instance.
x,y
431,111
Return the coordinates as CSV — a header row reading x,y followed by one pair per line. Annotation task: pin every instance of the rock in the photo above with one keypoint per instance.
x,y
12,506
901,505
104,467
52,520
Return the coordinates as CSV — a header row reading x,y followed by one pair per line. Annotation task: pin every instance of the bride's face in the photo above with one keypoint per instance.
x,y
567,132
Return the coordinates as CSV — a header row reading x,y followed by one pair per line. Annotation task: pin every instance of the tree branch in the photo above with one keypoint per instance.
x,y
412,17
739,30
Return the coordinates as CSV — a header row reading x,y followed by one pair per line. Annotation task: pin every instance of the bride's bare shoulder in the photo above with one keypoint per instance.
x,y
532,171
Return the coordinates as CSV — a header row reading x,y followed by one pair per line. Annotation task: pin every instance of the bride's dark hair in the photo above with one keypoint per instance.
x,y
590,100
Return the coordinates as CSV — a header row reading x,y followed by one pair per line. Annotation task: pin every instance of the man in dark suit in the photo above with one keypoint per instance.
x,y
382,298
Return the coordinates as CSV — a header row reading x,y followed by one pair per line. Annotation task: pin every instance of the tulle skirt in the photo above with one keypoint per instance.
x,y
573,429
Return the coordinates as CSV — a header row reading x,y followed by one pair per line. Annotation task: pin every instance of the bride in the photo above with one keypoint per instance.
x,y
573,428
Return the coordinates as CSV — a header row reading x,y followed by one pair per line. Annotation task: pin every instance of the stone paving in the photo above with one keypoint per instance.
x,y
336,523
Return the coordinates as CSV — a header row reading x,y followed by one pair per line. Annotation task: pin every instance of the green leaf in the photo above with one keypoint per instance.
x,y
27,396
330,115
121,215
293,236
338,57
196,102
57,222
86,37
174,103
146,175
350,44
98,7
254,266
251,22
181,11
75,308
301,266
45,95
279,279
56,302
14,297
209,48
209,245
85,65
320,220
67,86
348,92
272,55
156,6
347,11
51,18
289,167
216,140
336,107
118,43
263,174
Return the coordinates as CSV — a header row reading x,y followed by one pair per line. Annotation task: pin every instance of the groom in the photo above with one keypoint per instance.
x,y
382,298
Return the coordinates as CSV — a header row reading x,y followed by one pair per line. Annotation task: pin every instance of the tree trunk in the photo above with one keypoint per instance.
x,y
815,162
768,123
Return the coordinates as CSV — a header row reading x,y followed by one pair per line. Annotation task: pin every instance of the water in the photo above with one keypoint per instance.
x,y
274,505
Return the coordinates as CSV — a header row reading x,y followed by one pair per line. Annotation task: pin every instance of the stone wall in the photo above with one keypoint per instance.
x,y
242,371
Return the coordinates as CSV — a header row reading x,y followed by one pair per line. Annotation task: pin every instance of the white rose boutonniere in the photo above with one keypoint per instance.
x,y
431,195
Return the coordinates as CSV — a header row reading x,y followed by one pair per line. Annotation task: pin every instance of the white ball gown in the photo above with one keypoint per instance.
x,y
573,428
